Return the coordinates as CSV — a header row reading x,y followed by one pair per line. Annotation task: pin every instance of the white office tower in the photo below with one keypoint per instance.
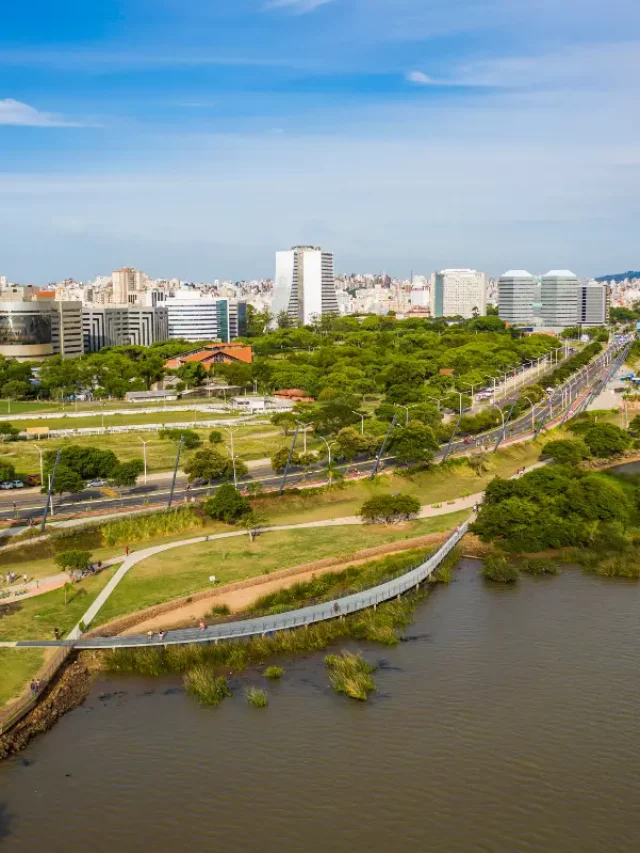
x,y
304,285
194,316
517,292
458,293
594,299
419,296
128,285
559,298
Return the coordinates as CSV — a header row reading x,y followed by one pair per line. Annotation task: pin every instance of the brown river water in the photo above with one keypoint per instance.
x,y
507,723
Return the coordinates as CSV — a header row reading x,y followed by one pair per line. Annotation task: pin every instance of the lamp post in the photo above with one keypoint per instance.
x,y
362,417
438,401
233,456
41,452
329,446
304,427
493,406
406,408
472,385
533,405
144,455
460,395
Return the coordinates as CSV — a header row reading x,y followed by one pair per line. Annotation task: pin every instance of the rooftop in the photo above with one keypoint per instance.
x,y
516,274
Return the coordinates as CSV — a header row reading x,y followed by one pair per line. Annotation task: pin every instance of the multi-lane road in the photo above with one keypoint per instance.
x,y
567,399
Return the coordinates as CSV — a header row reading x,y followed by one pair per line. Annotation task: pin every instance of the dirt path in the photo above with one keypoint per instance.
x,y
239,599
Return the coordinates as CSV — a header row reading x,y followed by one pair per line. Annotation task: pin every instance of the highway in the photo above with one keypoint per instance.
x,y
571,397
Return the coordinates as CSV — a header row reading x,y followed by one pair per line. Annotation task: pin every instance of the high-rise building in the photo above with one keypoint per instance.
x,y
304,286
128,286
118,325
559,299
458,293
594,301
194,316
66,328
518,290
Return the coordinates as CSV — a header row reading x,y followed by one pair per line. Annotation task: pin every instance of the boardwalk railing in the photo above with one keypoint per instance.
x,y
282,621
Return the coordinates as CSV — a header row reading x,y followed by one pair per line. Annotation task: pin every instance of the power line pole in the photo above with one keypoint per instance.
x,y
384,444
175,472
289,458
50,492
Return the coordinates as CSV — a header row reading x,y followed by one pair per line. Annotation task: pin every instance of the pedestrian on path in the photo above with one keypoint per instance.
x,y
202,625
126,550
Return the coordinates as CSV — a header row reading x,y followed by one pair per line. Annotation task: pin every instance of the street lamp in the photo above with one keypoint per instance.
x,y
329,446
362,417
406,408
472,386
41,465
144,454
233,456
305,427
533,405
493,406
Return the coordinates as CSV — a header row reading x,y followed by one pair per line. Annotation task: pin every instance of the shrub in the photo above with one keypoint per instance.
x,y
215,436
256,697
273,672
351,674
497,568
389,508
143,527
280,457
604,440
566,451
190,438
73,561
208,688
219,610
227,504
539,567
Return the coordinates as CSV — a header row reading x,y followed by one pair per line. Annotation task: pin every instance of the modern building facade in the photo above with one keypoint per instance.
x,y
128,286
559,299
194,316
594,302
26,328
66,328
458,293
118,325
518,292
304,286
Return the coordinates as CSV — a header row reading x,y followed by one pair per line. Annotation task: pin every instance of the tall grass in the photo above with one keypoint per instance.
x,y
380,626
498,569
273,672
139,528
256,697
539,566
207,688
444,571
351,674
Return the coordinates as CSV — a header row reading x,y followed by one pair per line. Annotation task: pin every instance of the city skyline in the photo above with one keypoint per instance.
x,y
196,137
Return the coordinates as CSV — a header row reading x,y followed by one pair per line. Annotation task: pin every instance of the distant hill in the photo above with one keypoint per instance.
x,y
620,276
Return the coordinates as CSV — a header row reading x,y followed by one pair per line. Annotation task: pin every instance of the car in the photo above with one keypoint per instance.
x,y
6,485
18,484
96,484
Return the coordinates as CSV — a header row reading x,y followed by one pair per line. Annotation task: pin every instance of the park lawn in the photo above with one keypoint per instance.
x,y
184,571
253,443
35,618
435,486
18,667
187,415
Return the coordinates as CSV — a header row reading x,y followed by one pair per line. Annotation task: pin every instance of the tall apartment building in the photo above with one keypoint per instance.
x,y
559,299
458,293
128,286
194,316
304,286
594,301
118,325
518,291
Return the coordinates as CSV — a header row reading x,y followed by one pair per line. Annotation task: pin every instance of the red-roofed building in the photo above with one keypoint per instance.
x,y
213,354
296,395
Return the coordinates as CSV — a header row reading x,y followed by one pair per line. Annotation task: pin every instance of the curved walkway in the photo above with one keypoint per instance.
x,y
263,624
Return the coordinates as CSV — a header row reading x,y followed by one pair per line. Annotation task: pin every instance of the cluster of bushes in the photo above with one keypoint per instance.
x,y
78,464
554,507
389,508
190,438
209,464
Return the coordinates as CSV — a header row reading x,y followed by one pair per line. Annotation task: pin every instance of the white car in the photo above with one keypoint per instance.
x,y
18,484
96,484
6,485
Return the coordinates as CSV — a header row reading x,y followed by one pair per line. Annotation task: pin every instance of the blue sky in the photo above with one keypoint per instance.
x,y
195,138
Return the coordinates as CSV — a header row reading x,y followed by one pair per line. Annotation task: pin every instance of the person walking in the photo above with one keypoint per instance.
x,y
202,625
126,550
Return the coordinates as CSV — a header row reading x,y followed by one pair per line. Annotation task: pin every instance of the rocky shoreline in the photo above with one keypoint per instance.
x,y
70,688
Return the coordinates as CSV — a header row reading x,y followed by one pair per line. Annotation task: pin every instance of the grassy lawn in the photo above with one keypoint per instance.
x,y
187,415
250,443
430,487
35,618
18,667
186,570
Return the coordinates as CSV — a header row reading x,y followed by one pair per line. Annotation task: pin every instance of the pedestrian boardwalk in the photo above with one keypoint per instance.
x,y
280,622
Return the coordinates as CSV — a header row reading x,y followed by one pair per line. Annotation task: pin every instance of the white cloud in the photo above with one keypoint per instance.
x,y
16,113
420,78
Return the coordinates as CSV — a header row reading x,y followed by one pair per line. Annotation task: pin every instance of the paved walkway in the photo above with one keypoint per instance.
x,y
39,586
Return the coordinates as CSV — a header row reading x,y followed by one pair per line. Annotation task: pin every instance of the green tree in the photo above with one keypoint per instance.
x,y
604,440
125,474
566,451
389,508
16,389
285,420
206,464
193,373
190,438
8,432
73,561
7,471
67,480
279,459
215,436
87,462
253,522
227,504
414,442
